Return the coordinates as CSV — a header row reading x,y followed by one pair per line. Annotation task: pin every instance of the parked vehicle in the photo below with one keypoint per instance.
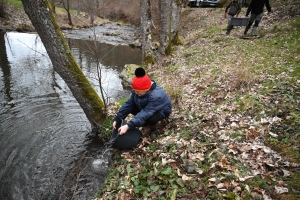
x,y
202,3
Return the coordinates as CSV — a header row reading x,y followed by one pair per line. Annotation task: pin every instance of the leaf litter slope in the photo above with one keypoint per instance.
x,y
234,131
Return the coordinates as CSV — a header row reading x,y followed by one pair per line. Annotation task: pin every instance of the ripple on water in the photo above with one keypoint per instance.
x,y
43,141
42,128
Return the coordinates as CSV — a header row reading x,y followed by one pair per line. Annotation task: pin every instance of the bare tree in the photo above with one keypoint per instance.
x,y
170,17
167,18
78,7
52,3
41,15
3,8
92,6
165,22
66,5
147,52
176,16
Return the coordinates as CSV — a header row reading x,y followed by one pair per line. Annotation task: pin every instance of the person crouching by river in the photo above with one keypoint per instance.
x,y
148,102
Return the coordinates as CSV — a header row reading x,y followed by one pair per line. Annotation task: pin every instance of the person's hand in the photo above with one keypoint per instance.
x,y
114,125
123,129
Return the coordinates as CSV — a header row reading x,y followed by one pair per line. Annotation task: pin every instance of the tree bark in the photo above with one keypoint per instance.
x,y
165,23
170,18
147,52
52,3
41,15
66,4
176,15
176,11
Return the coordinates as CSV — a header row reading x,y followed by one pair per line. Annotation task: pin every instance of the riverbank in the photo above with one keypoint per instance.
x,y
234,130
17,20
102,30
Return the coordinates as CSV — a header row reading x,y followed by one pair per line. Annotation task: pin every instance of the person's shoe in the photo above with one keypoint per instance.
x,y
153,132
227,33
153,135
253,33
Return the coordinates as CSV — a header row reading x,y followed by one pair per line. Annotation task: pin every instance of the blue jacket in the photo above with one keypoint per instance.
x,y
155,100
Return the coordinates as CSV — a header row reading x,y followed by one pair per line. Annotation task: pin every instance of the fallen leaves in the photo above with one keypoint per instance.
x,y
215,143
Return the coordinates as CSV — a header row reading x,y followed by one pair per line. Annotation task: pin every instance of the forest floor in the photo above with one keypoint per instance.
x,y
235,128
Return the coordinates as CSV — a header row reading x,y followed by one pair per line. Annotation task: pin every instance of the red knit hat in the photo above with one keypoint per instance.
x,y
141,82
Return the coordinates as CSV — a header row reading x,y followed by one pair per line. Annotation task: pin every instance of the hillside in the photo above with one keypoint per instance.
x,y
234,130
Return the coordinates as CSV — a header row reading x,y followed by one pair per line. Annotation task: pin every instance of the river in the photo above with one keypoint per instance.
x,y
45,151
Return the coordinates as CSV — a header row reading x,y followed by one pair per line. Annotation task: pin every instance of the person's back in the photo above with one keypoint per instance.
x,y
257,6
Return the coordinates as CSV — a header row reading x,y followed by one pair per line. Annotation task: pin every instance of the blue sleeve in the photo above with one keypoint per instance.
x,y
125,109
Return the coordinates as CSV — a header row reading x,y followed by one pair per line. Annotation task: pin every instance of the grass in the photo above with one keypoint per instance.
x,y
16,3
214,81
261,75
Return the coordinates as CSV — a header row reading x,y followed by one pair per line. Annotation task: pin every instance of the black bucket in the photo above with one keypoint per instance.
x,y
239,21
127,141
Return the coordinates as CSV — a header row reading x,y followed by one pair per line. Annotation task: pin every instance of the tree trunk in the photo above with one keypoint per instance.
x,y
41,15
147,53
176,15
52,3
78,7
165,25
170,18
66,4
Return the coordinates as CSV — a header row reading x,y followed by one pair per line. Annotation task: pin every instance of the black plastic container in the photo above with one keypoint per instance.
x,y
127,141
239,21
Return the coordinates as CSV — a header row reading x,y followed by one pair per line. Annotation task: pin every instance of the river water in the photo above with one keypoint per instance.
x,y
45,152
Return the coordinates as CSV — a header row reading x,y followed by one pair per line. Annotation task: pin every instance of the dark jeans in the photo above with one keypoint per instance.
x,y
255,17
153,120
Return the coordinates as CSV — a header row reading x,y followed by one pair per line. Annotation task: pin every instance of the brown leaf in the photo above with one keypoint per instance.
x,y
173,165
224,161
255,133
226,184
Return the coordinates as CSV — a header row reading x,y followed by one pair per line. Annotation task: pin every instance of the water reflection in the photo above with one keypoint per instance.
x,y
109,58
42,127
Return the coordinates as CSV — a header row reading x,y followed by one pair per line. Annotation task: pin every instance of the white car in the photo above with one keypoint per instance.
x,y
202,3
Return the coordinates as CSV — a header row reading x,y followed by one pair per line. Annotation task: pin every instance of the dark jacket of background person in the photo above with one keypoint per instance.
x,y
155,100
257,6
234,3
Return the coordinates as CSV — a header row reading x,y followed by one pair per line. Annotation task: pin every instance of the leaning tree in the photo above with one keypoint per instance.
x,y
41,15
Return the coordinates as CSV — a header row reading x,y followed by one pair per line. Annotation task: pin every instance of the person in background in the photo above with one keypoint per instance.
x,y
148,102
232,9
256,7
243,3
